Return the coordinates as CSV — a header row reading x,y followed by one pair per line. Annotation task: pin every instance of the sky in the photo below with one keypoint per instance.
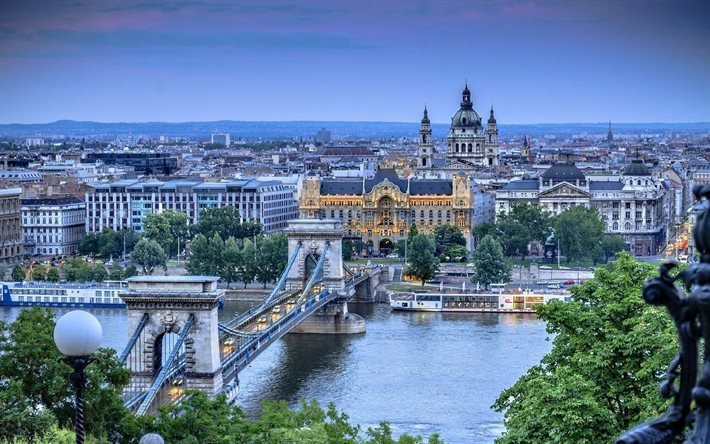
x,y
556,61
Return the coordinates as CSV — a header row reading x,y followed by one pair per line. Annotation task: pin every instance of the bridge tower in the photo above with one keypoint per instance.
x,y
315,237
164,305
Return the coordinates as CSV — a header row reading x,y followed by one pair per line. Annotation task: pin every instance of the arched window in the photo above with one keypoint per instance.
x,y
478,147
627,226
470,147
464,120
615,226
638,182
457,147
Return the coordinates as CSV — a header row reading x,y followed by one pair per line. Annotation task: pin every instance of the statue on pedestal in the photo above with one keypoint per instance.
x,y
550,252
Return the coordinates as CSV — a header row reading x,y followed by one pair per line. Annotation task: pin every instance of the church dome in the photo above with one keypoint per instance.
x,y
466,116
637,168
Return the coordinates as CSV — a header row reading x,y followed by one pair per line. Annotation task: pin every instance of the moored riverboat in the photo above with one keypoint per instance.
x,y
473,303
28,294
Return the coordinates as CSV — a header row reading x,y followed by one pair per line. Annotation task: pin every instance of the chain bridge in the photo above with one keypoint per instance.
x,y
176,341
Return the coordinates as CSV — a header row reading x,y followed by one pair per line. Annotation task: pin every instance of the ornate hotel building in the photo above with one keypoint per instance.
x,y
381,210
11,242
633,206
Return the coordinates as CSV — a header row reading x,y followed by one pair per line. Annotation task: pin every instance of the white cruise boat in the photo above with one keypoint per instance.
x,y
472,303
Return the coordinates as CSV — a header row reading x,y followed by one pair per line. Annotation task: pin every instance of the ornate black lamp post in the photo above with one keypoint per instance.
x,y
691,314
77,335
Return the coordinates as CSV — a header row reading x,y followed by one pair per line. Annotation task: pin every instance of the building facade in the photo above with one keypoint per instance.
x,y
468,142
633,206
146,163
380,211
126,203
11,242
53,225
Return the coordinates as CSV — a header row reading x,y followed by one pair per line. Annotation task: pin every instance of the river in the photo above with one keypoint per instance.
x,y
424,373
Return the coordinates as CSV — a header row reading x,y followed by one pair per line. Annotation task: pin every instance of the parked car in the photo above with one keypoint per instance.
x,y
393,256
554,286
545,267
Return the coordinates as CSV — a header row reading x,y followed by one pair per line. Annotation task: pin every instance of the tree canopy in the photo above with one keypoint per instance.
x,y
580,231
225,221
423,263
489,264
167,229
149,254
446,236
609,353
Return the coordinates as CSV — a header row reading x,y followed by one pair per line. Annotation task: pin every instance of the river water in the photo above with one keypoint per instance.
x,y
424,373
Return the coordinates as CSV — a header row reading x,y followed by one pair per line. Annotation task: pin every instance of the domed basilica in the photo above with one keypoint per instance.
x,y
469,145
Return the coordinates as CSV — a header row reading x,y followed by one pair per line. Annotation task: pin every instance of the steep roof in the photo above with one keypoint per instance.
x,y
606,186
637,168
521,185
416,187
563,171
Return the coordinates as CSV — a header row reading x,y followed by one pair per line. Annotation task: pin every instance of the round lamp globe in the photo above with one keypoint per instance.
x,y
77,333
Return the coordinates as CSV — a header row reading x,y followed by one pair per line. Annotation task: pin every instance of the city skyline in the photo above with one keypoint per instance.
x,y
535,62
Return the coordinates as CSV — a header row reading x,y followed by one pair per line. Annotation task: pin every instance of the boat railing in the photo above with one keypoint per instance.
x,y
89,286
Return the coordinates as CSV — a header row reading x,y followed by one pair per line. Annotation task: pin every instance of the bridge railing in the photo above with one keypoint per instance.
x,y
236,361
134,338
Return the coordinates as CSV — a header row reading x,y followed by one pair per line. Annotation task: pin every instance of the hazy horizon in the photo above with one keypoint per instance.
x,y
557,61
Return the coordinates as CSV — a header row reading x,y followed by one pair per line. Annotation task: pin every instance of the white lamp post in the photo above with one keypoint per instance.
x,y
77,335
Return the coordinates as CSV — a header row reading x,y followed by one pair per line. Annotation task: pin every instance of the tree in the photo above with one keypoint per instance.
x,y
514,238
413,231
423,264
611,245
483,229
226,222
489,264
401,248
18,274
3,271
199,261
99,273
167,228
532,216
445,236
580,230
130,271
89,244
30,366
53,274
149,254
457,253
116,274
39,273
609,353
247,269
347,250
109,243
272,257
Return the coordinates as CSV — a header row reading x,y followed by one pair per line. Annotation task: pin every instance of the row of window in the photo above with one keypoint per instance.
x,y
68,299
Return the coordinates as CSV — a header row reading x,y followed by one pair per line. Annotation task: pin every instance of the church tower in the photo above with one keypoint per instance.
x,y
492,141
426,144
609,134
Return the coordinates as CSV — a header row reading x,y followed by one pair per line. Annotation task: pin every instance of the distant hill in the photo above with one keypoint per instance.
x,y
282,130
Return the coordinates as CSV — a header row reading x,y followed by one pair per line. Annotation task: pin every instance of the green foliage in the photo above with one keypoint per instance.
x,y
611,245
489,264
482,230
580,231
78,270
272,257
535,218
116,274
225,221
3,271
89,244
53,274
400,247
413,231
39,273
149,254
446,236
18,274
99,273
347,250
167,228
130,271
38,383
457,253
423,264
609,354
108,243
514,238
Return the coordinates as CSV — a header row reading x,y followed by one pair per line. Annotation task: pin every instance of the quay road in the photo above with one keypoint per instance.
x,y
422,372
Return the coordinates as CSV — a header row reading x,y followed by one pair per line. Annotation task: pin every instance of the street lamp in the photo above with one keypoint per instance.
x,y
77,335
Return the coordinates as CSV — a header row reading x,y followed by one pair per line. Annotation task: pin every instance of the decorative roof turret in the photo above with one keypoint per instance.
x,y
425,119
492,118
